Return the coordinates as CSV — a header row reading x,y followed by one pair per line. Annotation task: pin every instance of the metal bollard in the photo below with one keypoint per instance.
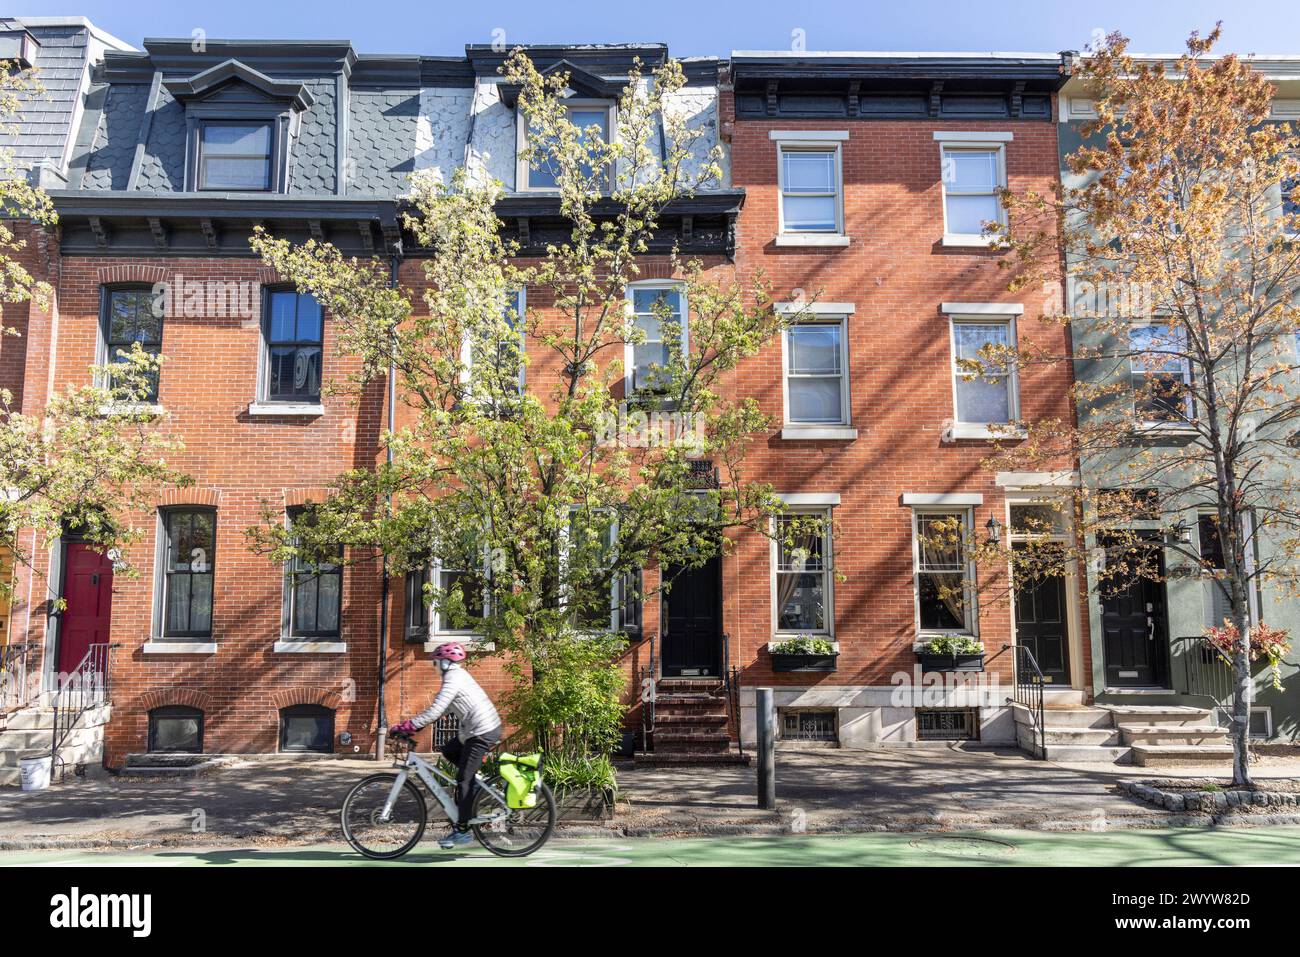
x,y
765,719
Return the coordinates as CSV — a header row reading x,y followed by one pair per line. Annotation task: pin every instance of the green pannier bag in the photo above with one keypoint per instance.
x,y
522,773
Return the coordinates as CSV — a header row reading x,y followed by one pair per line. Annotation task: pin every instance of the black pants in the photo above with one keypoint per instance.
x,y
468,756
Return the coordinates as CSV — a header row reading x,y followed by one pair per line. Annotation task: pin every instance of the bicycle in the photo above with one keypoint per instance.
x,y
385,814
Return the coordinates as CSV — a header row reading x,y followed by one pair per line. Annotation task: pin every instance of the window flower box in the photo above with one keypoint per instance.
x,y
952,653
804,653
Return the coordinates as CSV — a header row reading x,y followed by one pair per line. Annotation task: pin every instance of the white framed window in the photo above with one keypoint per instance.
x,y
183,592
582,113
803,601
815,357
659,310
1215,602
591,613
508,356
313,592
1161,374
943,572
991,396
810,182
973,171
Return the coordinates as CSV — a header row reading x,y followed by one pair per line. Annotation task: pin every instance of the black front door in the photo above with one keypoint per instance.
x,y
1136,634
692,621
1042,628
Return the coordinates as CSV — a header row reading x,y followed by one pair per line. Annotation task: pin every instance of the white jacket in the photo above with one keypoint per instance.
x,y
462,695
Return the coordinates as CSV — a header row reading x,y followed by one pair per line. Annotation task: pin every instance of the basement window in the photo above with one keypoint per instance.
x,y
809,725
176,728
947,724
307,727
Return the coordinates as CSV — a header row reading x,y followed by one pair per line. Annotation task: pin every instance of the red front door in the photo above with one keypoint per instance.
x,y
88,590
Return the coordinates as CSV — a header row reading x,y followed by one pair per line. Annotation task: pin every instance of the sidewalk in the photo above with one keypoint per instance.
x,y
285,801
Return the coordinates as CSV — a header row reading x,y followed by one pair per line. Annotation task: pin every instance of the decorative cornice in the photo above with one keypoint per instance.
x,y
206,81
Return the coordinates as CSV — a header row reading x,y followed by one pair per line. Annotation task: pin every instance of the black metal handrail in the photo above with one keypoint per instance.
x,y
731,689
82,689
647,680
14,688
1029,684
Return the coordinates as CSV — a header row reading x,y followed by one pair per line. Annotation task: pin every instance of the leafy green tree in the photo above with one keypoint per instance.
x,y
549,499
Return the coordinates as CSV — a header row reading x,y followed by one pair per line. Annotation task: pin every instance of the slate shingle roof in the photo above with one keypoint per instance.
x,y
381,141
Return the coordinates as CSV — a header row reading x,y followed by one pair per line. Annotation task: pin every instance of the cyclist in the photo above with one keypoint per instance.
x,y
480,730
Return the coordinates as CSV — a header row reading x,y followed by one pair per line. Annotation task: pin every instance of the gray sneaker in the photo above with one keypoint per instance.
x,y
455,838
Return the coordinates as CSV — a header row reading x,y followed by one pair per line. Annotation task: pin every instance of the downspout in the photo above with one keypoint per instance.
x,y
381,736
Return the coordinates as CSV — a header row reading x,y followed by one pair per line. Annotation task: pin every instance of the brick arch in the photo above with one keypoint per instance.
x,y
326,697
174,696
657,270
132,272
210,497
301,496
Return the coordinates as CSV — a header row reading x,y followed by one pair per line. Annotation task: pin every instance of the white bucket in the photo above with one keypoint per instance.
x,y
35,773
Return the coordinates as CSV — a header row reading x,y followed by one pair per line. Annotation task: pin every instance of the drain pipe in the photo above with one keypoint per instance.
x,y
381,736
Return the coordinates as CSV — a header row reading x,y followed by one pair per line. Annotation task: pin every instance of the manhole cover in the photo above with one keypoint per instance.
x,y
963,846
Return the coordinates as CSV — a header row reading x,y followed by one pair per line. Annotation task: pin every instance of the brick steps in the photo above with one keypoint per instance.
x,y
690,725
685,759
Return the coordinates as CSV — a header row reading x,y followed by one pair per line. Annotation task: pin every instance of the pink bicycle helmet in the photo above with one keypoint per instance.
x,y
451,651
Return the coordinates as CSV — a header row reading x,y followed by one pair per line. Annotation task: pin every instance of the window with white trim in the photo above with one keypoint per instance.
x,y
988,394
659,311
1161,374
188,552
811,186
973,175
801,573
313,589
816,372
591,117
942,570
505,357
595,540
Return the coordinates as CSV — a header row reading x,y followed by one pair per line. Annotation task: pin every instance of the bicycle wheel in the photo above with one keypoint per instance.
x,y
380,839
513,832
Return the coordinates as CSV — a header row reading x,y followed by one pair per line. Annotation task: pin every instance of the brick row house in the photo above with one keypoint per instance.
x,y
854,182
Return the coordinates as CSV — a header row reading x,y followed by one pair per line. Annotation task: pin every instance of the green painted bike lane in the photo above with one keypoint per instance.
x,y
1114,848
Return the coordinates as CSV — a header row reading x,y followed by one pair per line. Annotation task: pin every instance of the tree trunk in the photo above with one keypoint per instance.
x,y
1242,695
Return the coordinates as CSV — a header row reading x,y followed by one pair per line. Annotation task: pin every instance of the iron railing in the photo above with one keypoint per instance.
x,y
84,688
1029,691
15,690
646,689
1207,673
731,690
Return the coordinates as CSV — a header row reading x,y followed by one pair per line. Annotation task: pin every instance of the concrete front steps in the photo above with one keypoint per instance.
x,y
29,734
1163,735
690,725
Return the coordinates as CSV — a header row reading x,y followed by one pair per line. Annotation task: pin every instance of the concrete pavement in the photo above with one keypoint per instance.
x,y
1116,848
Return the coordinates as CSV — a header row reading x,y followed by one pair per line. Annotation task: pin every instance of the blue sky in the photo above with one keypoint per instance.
x,y
699,27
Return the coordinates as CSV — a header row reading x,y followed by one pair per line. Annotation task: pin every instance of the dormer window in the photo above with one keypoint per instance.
x,y
241,125
593,118
235,156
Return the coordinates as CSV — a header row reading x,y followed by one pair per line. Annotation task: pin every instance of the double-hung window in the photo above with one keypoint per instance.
x,y
586,553
802,573
130,318
660,316
594,120
1161,374
294,331
313,590
984,379
235,156
942,570
810,186
189,545
973,175
816,373
1216,603
424,618
501,360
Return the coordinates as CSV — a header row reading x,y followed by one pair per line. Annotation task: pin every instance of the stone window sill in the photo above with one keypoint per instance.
x,y
304,409
300,647
471,642
978,431
133,408
803,433
163,646
812,239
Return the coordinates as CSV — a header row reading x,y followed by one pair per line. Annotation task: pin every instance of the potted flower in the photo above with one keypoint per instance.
x,y
1266,644
952,653
803,653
